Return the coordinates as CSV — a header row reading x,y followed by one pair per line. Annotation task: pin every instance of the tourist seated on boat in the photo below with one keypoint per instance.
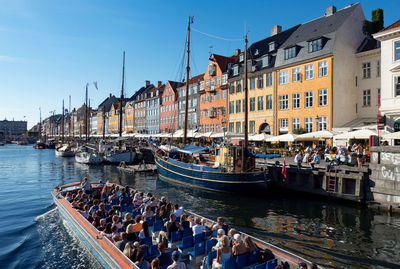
x,y
198,228
163,238
114,198
163,213
220,234
163,201
122,242
115,239
178,211
145,232
114,230
155,263
172,226
86,212
238,247
184,222
131,235
302,265
249,243
127,220
140,261
176,264
231,233
224,253
220,225
95,205
137,226
147,213
94,219
68,196
153,202
90,200
107,231
165,258
190,218
115,221
128,250
137,200
105,192
103,224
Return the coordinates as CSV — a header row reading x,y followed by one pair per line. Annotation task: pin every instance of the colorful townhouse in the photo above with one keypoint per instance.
x,y
153,108
390,82
113,118
261,84
93,122
193,105
169,108
140,98
213,94
103,111
128,117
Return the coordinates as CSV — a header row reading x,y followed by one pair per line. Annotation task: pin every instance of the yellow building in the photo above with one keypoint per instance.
x,y
113,119
128,118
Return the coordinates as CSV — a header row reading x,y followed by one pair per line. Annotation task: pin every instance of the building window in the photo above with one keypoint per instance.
x,y
235,70
211,127
207,83
315,45
283,102
295,123
379,97
260,103
218,81
323,69
252,104
217,128
290,53
232,88
243,107
268,102
309,71
212,82
283,125
206,128
265,61
223,94
308,124
296,74
231,127
269,80
201,85
283,77
238,86
366,97
397,50
397,86
224,79
296,100
238,106
260,81
252,126
366,70
322,123
378,68
323,97
271,46
238,127
252,83
309,99
217,95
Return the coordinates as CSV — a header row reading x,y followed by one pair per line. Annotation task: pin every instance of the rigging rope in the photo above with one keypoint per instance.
x,y
217,37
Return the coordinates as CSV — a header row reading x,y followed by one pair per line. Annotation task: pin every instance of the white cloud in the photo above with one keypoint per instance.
x,y
10,59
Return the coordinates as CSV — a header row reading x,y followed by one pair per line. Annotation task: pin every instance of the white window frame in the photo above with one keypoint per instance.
x,y
260,103
309,71
366,98
308,124
283,124
284,77
322,123
366,70
323,97
295,123
323,69
283,102
308,99
296,73
296,100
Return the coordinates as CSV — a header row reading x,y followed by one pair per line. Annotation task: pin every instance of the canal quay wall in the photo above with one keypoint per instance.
x,y
385,178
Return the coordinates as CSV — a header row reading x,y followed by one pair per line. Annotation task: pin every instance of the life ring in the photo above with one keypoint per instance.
x,y
239,163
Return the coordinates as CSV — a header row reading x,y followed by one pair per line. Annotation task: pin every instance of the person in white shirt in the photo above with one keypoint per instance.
x,y
198,228
178,211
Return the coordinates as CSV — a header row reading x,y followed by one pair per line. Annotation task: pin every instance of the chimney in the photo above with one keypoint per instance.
x,y
159,83
237,52
146,83
330,10
110,95
276,30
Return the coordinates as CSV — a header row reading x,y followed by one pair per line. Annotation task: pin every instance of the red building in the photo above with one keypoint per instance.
x,y
169,108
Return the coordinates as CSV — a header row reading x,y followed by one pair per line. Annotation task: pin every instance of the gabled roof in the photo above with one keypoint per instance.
x,y
193,80
108,102
368,44
140,91
392,26
223,61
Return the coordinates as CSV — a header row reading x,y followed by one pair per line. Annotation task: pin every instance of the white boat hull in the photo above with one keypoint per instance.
x,y
65,153
127,157
88,158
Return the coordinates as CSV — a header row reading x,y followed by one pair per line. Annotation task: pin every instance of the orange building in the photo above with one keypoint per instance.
x,y
213,94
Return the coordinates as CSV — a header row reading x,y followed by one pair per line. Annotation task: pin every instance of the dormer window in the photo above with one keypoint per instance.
x,y
235,70
265,61
315,45
256,52
290,52
241,58
271,46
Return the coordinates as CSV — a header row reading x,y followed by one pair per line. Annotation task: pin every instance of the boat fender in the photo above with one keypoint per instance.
x,y
239,163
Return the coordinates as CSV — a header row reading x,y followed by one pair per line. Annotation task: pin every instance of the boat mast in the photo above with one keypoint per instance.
x,y
86,113
187,82
40,124
122,99
62,124
70,116
246,116
104,122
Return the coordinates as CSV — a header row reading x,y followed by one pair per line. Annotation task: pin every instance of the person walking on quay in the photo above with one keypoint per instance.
x,y
315,159
358,149
297,159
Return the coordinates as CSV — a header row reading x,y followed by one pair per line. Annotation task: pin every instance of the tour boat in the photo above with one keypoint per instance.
x,y
65,151
87,157
109,256
117,157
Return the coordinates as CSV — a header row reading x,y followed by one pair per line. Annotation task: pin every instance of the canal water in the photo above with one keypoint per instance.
x,y
32,234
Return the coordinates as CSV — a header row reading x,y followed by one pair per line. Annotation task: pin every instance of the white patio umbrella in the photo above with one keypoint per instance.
x,y
395,135
217,135
205,135
282,138
325,134
259,137
359,134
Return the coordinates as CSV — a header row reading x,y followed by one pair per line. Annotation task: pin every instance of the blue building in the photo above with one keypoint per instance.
x,y
153,102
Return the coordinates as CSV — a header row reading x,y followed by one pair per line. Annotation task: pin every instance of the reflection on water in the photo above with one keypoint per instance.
x,y
331,234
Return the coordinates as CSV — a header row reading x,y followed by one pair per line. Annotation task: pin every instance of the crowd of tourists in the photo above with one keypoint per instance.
x,y
129,219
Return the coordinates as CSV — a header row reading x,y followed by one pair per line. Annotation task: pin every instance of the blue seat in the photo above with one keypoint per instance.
x,y
163,267
129,208
210,243
199,249
154,250
229,264
260,266
211,256
124,208
187,232
176,236
214,233
199,238
150,221
115,202
271,264
207,234
254,256
107,207
135,213
242,260
146,241
178,219
145,250
187,242
157,226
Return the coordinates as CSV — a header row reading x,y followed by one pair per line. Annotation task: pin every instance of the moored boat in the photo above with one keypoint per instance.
x,y
65,151
88,157
117,157
265,254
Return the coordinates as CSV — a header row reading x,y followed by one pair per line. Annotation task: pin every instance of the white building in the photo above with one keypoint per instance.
x,y
390,66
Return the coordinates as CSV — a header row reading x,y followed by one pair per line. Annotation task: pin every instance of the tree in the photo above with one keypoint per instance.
x,y
299,131
376,23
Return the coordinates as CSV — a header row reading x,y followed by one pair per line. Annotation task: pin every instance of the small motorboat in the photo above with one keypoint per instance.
x,y
65,151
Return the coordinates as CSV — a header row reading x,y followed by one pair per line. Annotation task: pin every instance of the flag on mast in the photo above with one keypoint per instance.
x,y
95,84
284,169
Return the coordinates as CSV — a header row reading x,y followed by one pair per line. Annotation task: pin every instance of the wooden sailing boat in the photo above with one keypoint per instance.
x,y
227,168
64,150
39,143
120,155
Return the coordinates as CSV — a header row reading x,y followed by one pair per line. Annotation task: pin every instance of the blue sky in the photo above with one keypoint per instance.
x,y
51,49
